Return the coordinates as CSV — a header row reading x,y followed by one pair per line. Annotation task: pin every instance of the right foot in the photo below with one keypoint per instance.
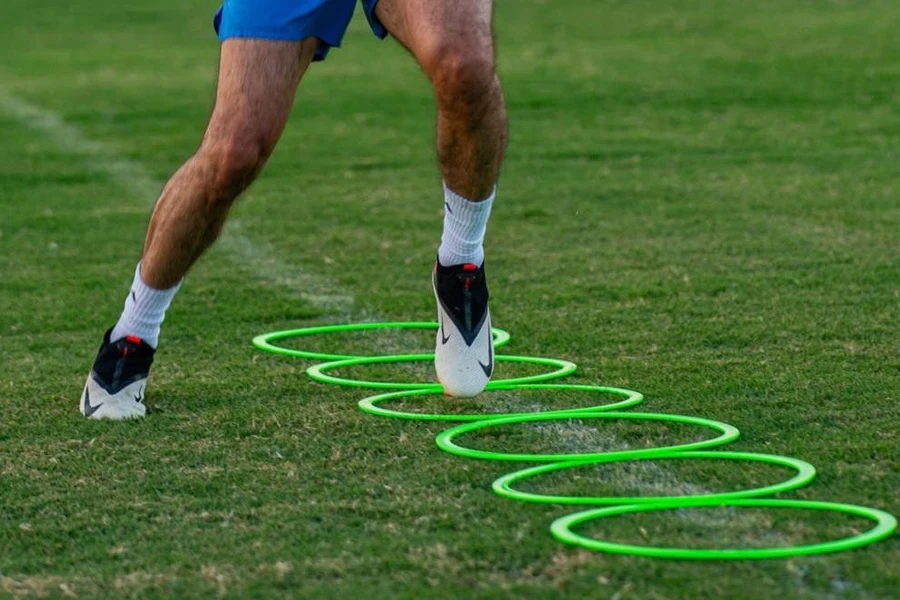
x,y
464,348
116,384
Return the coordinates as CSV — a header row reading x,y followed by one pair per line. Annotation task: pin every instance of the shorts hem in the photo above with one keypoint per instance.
x,y
281,36
276,36
374,24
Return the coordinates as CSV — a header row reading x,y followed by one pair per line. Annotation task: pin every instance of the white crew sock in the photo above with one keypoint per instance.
x,y
464,225
144,312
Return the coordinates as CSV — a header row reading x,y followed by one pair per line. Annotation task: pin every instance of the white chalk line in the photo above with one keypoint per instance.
x,y
260,260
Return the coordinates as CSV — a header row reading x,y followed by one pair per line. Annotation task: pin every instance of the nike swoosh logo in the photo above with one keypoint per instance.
x,y
488,368
444,339
139,397
88,409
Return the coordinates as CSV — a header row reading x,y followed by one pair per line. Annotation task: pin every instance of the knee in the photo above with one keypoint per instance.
x,y
463,75
231,163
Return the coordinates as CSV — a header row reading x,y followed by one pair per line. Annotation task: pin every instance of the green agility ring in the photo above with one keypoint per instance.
x,y
318,372
805,474
885,525
445,439
370,404
264,341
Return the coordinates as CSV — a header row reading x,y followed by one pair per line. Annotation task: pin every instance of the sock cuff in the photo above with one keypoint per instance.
x,y
151,299
144,311
454,202
465,222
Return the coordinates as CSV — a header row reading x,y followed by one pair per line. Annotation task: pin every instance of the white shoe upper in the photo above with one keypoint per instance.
x,y
97,403
463,369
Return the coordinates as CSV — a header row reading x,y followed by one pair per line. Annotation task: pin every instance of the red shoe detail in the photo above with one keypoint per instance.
x,y
470,267
133,339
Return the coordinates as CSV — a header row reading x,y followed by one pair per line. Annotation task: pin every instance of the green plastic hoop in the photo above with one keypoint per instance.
x,y
318,372
264,341
445,439
371,404
805,474
885,525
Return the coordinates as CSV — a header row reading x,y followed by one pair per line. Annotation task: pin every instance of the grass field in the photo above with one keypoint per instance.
x,y
700,203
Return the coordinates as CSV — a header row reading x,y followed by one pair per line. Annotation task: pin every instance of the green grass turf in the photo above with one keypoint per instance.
x,y
700,203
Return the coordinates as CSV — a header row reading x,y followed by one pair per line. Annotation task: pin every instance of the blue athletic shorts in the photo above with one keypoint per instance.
x,y
292,20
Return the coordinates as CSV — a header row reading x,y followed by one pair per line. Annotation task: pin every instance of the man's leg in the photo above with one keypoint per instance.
x,y
453,43
257,83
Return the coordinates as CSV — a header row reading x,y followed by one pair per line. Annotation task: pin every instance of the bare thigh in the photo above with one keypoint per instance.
x,y
257,83
427,27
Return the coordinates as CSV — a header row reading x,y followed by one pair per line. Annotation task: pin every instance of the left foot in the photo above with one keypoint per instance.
x,y
116,384
464,348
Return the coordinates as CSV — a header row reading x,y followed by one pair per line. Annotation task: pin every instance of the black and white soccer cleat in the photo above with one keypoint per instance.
x,y
116,384
464,348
